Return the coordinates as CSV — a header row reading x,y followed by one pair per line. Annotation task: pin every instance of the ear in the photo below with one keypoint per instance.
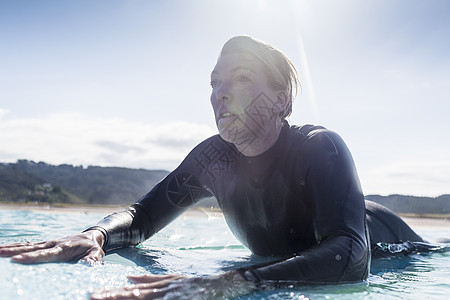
x,y
282,101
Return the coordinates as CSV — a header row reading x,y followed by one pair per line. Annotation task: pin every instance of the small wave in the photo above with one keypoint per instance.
x,y
228,247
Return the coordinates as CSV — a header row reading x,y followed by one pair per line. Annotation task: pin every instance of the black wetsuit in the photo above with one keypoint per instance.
x,y
300,202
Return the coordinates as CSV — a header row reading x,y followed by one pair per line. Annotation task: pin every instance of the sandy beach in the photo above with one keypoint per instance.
x,y
427,222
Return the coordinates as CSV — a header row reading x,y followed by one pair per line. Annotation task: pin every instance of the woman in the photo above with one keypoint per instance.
x,y
288,192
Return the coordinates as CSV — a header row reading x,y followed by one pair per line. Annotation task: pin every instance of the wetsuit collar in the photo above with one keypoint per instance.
x,y
275,148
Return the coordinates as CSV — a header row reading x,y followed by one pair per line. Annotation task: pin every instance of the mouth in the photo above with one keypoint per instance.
x,y
226,115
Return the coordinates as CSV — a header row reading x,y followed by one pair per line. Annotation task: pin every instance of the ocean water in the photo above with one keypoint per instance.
x,y
199,246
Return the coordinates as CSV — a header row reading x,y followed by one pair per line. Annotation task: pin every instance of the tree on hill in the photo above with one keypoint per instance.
x,y
95,185
16,185
414,205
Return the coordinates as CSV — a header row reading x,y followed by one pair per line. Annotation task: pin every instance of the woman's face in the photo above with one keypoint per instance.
x,y
242,99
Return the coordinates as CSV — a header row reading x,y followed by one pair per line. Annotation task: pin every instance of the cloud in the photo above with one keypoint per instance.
x,y
419,178
118,148
3,112
85,140
89,140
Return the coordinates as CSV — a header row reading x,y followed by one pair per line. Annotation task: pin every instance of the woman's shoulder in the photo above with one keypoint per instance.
x,y
308,130
315,137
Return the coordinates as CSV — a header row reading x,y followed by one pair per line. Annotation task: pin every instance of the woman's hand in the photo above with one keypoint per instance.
x,y
86,246
228,285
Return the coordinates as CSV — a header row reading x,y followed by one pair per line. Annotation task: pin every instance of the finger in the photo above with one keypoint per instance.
x,y
159,285
149,278
115,295
15,249
139,291
21,244
46,255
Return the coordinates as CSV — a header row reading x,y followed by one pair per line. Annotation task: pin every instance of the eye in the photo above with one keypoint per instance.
x,y
243,79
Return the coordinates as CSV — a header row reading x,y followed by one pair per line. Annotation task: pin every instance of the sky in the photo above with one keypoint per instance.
x,y
126,82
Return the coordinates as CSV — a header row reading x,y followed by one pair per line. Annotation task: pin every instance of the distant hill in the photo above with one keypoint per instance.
x,y
92,185
414,205
27,180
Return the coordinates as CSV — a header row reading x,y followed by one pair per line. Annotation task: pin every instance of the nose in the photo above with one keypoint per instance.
x,y
223,92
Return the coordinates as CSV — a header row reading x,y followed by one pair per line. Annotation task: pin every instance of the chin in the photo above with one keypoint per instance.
x,y
225,137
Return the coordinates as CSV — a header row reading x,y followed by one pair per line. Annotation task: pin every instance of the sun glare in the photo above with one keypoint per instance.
x,y
301,14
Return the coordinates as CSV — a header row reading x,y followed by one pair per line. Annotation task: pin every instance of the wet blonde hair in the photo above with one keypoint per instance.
x,y
280,71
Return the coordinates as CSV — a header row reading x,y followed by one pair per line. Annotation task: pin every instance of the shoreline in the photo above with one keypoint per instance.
x,y
199,211
69,208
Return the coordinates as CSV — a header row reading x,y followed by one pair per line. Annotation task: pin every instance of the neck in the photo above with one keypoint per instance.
x,y
264,140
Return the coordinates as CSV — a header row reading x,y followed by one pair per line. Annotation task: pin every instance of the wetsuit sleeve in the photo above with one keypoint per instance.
x,y
342,252
175,194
